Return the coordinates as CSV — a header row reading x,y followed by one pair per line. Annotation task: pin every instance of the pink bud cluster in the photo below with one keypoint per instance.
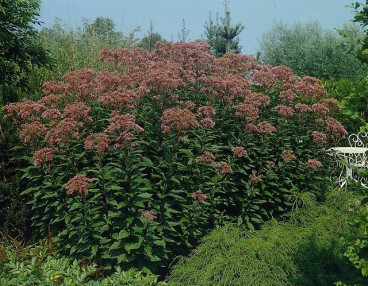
x,y
284,111
78,185
303,108
44,155
198,196
319,138
313,164
223,168
179,119
239,151
254,179
288,96
263,128
335,128
99,142
320,109
206,157
288,156
148,216
207,112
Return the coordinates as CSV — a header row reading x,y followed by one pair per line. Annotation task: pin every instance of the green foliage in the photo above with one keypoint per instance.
x,y
73,49
222,37
357,242
20,51
21,54
303,251
131,167
353,98
361,17
309,50
37,265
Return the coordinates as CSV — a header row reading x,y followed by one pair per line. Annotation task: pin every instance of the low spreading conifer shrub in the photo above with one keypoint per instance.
x,y
131,166
307,250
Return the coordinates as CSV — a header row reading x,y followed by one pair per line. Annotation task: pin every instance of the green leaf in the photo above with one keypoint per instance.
x,y
145,195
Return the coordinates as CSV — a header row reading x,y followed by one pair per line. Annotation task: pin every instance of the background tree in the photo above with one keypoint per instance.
x,y
103,28
21,54
221,36
309,50
184,32
148,42
20,50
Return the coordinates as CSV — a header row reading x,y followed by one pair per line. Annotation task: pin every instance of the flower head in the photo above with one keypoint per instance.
x,y
43,155
78,185
255,179
313,164
288,156
239,151
148,215
198,196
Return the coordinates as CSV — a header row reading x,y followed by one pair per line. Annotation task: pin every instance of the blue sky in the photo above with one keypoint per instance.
x,y
258,16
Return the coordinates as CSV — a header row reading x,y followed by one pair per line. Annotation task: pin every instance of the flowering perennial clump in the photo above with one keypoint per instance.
x,y
146,129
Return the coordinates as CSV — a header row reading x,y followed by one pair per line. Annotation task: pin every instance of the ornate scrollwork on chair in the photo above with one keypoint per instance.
x,y
357,140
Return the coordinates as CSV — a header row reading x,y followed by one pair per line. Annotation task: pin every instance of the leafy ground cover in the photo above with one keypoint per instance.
x,y
39,265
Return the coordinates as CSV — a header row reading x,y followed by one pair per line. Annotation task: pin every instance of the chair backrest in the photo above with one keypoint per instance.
x,y
359,140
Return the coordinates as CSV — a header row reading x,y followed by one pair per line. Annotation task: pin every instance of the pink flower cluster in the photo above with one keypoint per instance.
x,y
303,108
288,96
198,196
32,132
320,109
288,156
148,215
206,157
43,155
264,78
285,111
263,128
248,111
78,185
331,103
239,151
206,111
63,131
319,138
313,164
255,179
77,111
223,168
270,164
99,142
335,128
180,119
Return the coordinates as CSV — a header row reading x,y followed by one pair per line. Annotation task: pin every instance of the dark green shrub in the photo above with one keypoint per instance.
x,y
310,50
307,250
353,98
133,166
